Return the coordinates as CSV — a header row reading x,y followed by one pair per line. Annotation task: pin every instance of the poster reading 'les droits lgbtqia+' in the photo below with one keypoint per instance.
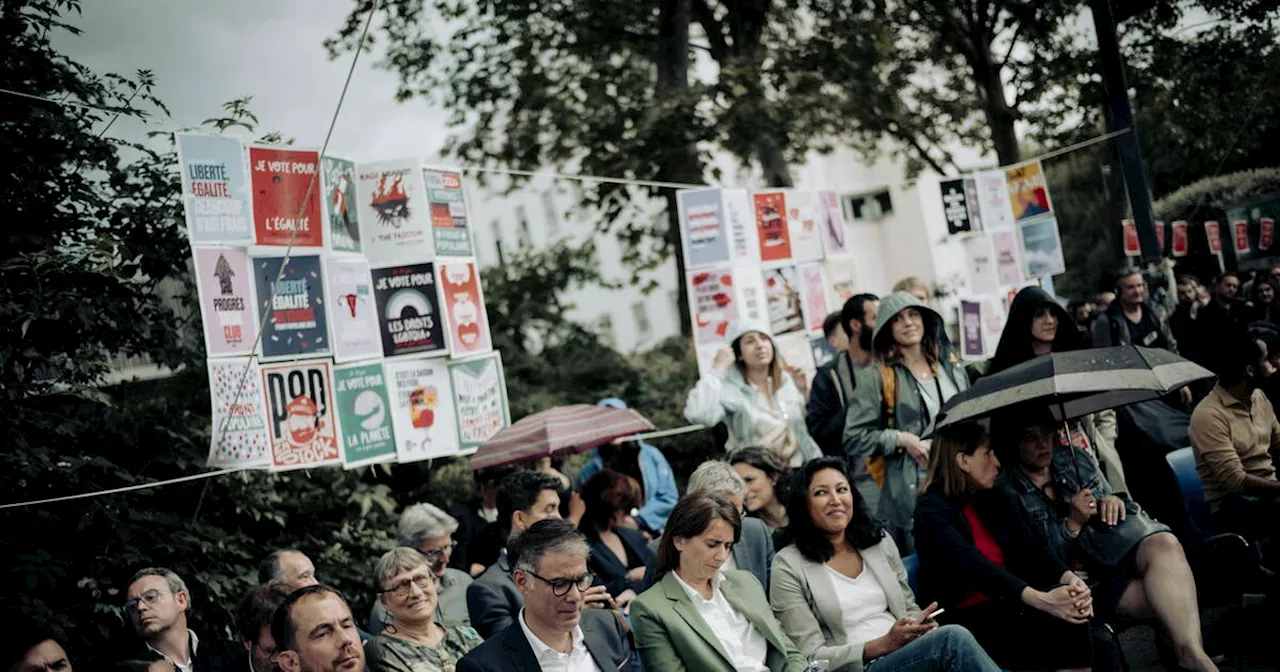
x,y
480,399
215,190
450,225
239,436
224,281
466,321
286,196
422,408
395,220
409,317
364,412
297,322
301,419
354,314
341,215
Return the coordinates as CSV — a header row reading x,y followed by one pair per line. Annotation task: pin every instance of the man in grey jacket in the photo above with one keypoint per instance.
x,y
1130,320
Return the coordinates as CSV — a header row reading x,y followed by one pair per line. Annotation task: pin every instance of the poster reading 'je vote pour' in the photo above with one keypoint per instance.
x,y
286,196
409,310
364,411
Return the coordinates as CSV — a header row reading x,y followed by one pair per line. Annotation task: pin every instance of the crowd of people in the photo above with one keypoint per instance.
x,y
792,553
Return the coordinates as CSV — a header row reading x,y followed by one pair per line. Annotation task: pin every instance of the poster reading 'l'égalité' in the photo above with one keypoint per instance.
x,y
480,399
364,410
409,310
297,323
286,196
341,214
448,202
395,220
215,189
223,281
301,418
422,408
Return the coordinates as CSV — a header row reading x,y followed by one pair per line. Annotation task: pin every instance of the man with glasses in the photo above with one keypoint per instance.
x,y
156,604
554,631
429,531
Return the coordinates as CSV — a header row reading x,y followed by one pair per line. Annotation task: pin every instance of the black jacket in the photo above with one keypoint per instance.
x,y
1015,340
609,571
602,631
212,655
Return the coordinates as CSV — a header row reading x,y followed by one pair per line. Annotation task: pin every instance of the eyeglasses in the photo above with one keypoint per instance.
x,y
401,589
560,587
148,598
434,555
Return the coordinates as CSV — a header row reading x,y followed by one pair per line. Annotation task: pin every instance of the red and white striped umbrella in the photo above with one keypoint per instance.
x,y
561,429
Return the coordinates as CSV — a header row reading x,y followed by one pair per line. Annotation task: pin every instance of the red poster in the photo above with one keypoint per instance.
x,y
281,180
1160,236
1240,231
1132,248
1180,239
771,224
1267,229
1215,238
467,322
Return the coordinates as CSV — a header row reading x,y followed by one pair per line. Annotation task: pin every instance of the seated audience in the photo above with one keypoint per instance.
x,y
253,624
475,550
647,465
698,617
316,632
413,641
981,563
290,567
554,631
764,475
1135,564
156,605
619,554
34,650
138,665
428,530
841,592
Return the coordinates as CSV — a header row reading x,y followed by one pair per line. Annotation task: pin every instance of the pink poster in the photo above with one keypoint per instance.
x,y
714,304
1008,268
466,321
835,231
223,281
813,290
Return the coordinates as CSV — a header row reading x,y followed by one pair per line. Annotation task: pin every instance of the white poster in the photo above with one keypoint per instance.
x,y
395,217
980,263
422,411
993,200
355,311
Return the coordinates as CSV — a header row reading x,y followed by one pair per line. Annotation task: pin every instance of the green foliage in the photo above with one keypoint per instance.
x,y
1208,199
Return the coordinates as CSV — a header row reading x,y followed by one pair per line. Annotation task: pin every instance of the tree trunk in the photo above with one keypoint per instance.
x,y
1000,115
776,171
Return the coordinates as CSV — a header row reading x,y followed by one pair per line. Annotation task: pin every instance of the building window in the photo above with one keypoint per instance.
x,y
869,207
641,314
553,216
604,329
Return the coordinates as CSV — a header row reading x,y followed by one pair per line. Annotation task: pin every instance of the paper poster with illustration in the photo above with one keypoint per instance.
x,y
782,294
1240,233
1213,236
972,346
340,211
301,419
794,350
1028,191
1266,233
239,436
771,225
821,350
286,196
836,233
1180,240
813,293
704,223
355,312
480,399
409,310
395,222
1041,247
842,281
467,322
1129,233
422,409
980,262
955,206
297,323
713,300
224,282
971,199
449,218
215,189
364,412
1008,260
992,187
804,224
753,302
744,244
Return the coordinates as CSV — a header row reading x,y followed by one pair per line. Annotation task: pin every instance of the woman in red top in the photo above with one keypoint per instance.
x,y
981,563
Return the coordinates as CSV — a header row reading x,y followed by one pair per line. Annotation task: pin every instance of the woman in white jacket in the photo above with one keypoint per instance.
x,y
758,397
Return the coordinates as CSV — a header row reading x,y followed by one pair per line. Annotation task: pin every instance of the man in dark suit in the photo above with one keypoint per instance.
x,y
754,550
554,629
156,605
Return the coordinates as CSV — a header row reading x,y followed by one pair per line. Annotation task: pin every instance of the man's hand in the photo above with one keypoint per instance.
x,y
1111,509
597,597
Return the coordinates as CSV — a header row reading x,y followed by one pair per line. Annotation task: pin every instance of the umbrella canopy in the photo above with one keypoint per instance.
x,y
572,428
1075,383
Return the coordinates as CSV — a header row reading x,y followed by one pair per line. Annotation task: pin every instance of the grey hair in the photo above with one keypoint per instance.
x,y
176,584
394,562
544,537
422,521
716,477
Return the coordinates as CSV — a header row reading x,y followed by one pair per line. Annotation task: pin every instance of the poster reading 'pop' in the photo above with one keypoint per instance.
x,y
480,400
301,421
771,226
448,205
297,323
223,281
466,321
215,190
364,410
409,310
395,222
355,311
782,293
239,415
286,196
714,304
340,212
422,409
1028,191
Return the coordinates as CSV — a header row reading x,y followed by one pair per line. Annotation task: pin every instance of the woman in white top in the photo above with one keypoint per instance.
x,y
841,593
759,398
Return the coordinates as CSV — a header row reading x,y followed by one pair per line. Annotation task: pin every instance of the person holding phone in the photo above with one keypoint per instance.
x,y
840,589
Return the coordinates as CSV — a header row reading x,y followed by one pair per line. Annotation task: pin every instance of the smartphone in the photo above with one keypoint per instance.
x,y
933,616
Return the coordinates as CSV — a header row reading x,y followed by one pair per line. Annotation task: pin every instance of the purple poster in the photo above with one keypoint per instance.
x,y
223,281
971,329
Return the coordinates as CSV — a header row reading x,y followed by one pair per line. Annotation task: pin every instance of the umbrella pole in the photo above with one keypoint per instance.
x,y
1062,411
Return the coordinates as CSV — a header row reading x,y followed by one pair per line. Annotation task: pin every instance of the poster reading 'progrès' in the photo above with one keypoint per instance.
x,y
297,323
480,399
395,222
215,189
463,301
340,210
355,311
409,310
286,196
300,414
422,409
239,436
364,410
448,203
223,281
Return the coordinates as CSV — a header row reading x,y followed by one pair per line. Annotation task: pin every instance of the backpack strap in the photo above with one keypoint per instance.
x,y
842,375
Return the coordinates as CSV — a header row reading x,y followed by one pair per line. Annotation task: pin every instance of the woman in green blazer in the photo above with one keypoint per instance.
x,y
697,617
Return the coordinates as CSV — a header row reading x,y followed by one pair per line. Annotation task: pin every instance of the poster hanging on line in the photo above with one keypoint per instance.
x,y
714,302
297,323
813,294
803,224
215,189
1008,265
1129,230
836,233
704,223
223,283
286,196
1041,247
842,281
1028,191
1160,237
744,245
300,414
1266,233
480,400
466,321
993,199
971,199
450,225
395,222
782,294
771,225
355,312
955,206
364,413
340,212
409,310
422,410
1180,240
239,436
1214,237
971,337
980,263
1240,233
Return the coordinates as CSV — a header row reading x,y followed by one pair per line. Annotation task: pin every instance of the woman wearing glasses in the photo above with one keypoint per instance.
x,y
429,530
414,641
698,617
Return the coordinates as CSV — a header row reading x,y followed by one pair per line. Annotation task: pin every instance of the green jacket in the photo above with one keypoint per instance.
x,y
672,636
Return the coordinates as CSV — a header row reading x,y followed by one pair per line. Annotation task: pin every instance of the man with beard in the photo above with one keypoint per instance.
x,y
156,604
304,435
315,632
